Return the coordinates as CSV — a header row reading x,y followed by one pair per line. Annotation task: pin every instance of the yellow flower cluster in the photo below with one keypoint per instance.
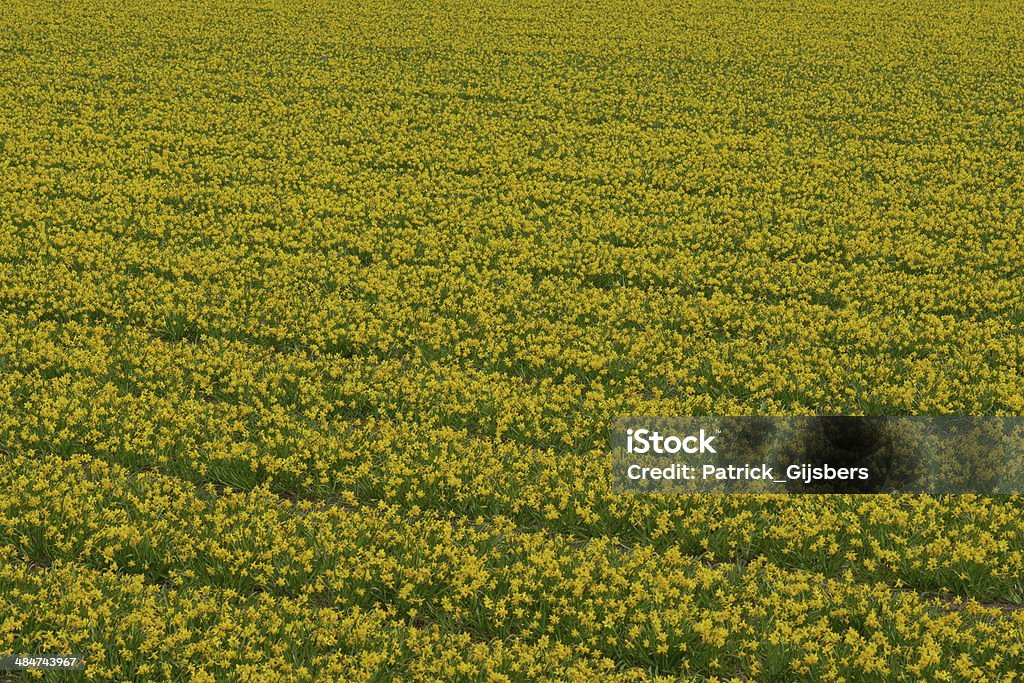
x,y
314,317
153,575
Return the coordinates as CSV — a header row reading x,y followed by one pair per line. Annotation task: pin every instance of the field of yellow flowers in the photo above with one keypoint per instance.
x,y
314,317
